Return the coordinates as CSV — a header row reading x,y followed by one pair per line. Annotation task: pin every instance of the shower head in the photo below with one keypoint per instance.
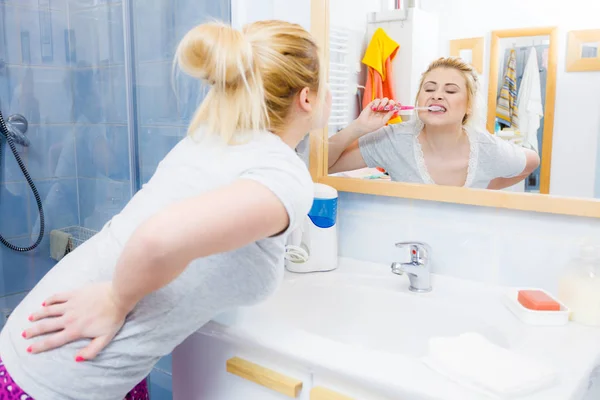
x,y
17,127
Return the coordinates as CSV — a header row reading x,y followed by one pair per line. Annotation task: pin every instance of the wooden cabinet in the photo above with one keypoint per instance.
x,y
322,393
330,386
206,368
266,377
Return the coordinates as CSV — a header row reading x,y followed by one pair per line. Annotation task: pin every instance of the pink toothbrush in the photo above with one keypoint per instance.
x,y
404,108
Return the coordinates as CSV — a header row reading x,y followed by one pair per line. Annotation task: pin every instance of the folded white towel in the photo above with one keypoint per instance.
x,y
471,360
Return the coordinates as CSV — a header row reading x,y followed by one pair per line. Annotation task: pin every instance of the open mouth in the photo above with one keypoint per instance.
x,y
436,108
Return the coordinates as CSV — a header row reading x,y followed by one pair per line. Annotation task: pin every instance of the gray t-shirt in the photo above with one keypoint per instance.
x,y
396,149
163,319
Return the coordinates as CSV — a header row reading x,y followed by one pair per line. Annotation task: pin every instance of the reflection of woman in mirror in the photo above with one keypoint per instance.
x,y
442,147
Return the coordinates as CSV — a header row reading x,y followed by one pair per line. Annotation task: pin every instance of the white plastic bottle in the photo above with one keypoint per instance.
x,y
579,287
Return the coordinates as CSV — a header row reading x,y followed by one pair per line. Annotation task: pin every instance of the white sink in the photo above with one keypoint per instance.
x,y
362,323
376,313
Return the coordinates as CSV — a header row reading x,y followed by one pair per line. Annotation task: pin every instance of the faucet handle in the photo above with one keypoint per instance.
x,y
420,252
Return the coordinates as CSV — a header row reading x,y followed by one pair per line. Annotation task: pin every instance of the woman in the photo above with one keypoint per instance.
x,y
439,147
206,234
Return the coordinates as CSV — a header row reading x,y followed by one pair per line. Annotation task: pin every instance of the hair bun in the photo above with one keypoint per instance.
x,y
216,53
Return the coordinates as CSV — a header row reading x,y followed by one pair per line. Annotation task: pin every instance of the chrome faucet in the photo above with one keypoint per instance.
x,y
418,269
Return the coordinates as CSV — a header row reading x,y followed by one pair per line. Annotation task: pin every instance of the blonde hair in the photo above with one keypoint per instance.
x,y
470,77
254,74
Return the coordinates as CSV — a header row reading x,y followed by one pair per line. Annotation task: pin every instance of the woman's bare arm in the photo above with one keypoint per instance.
x,y
343,152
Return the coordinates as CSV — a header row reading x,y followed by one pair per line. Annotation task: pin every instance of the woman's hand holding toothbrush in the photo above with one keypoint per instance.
x,y
372,118
375,116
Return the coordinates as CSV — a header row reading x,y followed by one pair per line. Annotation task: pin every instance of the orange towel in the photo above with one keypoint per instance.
x,y
380,76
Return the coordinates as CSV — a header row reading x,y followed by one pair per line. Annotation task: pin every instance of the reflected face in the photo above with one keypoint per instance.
x,y
445,87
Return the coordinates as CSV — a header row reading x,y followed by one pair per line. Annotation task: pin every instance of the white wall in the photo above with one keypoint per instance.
x,y
352,14
425,30
246,11
576,126
478,243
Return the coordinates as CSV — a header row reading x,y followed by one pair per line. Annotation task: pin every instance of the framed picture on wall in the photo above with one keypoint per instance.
x,y
470,50
583,50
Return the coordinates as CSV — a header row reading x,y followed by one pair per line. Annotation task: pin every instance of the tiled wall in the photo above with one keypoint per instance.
x,y
479,243
62,65
35,80
99,109
166,99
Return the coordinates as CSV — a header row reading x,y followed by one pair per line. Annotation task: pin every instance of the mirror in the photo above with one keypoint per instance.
x,y
519,125
521,94
582,50
467,55
589,50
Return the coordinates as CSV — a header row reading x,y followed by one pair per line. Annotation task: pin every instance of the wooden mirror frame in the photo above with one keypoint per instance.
x,y
445,194
473,44
575,63
552,33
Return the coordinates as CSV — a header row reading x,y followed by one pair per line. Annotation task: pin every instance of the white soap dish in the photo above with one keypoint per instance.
x,y
535,317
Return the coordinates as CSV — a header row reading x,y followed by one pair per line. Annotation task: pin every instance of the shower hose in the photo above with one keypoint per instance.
x,y
6,134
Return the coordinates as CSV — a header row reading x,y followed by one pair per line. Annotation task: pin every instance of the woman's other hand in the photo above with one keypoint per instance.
x,y
91,312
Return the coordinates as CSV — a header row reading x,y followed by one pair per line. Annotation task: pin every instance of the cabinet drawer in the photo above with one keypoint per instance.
x,y
330,386
266,377
207,368
322,393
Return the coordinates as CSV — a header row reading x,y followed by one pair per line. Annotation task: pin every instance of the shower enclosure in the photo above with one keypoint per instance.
x,y
93,78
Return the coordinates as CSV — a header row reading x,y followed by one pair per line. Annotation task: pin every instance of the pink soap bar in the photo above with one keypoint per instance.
x,y
537,300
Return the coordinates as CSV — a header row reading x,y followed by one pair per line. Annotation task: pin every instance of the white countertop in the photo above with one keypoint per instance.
x,y
362,358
